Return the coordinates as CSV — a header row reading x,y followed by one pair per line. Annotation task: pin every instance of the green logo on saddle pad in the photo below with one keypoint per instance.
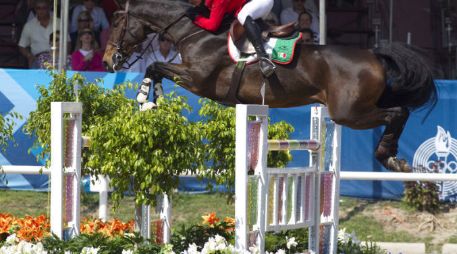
x,y
283,50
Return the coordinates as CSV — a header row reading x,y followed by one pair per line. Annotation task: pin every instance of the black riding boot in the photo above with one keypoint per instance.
x,y
254,36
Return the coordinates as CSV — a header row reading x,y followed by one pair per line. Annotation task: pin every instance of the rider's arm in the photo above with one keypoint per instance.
x,y
218,10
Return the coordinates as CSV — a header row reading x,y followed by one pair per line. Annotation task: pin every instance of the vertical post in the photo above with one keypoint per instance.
x,y
241,178
335,167
77,174
261,172
57,148
103,198
165,215
315,131
322,23
58,109
64,9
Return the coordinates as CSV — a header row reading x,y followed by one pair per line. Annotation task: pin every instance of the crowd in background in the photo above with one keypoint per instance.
x,y
89,30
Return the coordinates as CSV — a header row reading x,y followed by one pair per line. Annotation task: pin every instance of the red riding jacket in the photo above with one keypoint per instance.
x,y
218,8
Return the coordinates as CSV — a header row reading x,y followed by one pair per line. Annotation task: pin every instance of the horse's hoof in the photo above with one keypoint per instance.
x,y
143,92
148,106
405,167
397,165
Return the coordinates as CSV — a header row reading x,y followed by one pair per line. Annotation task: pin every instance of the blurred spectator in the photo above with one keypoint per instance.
x,y
109,6
86,57
45,59
304,20
97,13
84,21
307,36
164,54
291,14
304,23
35,35
138,58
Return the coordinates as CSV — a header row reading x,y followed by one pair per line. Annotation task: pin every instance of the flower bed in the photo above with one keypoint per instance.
x,y
30,235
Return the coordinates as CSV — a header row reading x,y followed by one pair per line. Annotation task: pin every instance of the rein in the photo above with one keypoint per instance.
x,y
119,45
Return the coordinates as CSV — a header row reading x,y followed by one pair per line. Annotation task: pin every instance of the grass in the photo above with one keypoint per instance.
x,y
188,209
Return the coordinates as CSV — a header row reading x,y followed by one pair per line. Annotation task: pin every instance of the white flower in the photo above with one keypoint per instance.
x,y
341,234
127,251
11,239
23,248
129,234
192,249
254,249
90,250
281,251
354,238
217,244
291,242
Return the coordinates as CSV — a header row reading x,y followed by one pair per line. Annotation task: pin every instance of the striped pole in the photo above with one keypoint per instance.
x,y
281,145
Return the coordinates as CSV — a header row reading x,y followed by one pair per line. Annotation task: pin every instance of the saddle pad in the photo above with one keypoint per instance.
x,y
281,50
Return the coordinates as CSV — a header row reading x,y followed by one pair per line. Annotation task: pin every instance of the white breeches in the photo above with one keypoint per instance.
x,y
255,9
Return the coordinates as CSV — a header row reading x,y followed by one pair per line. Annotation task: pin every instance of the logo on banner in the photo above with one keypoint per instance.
x,y
439,155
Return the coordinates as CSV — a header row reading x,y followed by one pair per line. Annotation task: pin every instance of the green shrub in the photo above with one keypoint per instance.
x,y
422,196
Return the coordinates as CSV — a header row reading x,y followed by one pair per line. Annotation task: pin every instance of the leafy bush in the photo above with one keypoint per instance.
x,y
219,131
153,147
278,240
104,244
423,196
6,128
99,105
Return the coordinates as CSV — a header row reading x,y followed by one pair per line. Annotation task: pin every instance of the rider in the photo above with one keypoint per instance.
x,y
246,13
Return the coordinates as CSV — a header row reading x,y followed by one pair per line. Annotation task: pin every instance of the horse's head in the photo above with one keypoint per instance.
x,y
126,35
131,26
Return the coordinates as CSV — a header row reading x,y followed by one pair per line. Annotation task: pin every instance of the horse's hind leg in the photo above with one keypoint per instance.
x,y
387,149
393,118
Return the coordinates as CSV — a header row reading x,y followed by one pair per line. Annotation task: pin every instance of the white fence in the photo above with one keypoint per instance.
x,y
295,192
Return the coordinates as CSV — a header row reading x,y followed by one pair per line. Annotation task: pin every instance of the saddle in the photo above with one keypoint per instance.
x,y
238,35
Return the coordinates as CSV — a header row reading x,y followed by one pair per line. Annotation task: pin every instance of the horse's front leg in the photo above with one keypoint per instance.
x,y
157,71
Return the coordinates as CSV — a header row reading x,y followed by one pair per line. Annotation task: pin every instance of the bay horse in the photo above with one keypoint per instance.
x,y
361,88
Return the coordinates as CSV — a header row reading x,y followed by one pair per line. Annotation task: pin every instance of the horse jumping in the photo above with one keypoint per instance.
x,y
361,88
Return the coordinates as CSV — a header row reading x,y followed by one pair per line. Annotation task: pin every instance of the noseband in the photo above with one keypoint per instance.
x,y
118,57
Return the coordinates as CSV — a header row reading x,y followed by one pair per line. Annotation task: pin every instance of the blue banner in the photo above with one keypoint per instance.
x,y
427,144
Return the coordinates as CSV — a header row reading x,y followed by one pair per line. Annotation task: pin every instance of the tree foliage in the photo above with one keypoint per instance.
x,y
145,152
99,105
219,132
6,129
154,147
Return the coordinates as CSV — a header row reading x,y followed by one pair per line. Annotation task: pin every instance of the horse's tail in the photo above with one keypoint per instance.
x,y
409,76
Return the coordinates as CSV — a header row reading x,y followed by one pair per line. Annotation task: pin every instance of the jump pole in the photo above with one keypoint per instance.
x,y
325,163
65,168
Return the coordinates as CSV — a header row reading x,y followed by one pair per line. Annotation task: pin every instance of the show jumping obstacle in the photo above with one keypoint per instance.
x,y
286,198
65,168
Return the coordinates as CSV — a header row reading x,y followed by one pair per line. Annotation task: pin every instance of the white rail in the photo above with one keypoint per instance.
x,y
397,176
26,170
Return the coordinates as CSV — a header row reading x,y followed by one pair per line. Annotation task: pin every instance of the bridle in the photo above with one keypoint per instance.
x,y
118,57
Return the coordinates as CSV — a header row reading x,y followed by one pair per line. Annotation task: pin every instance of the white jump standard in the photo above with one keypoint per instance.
x,y
295,192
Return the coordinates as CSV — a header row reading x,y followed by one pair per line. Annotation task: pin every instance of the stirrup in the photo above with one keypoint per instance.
x,y
267,67
143,92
